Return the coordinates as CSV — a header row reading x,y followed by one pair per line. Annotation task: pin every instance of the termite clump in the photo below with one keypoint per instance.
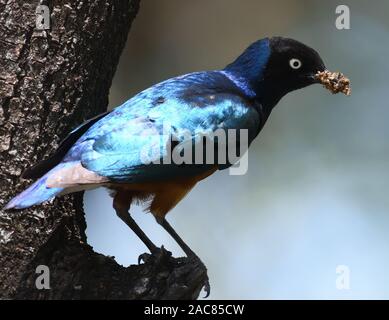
x,y
334,81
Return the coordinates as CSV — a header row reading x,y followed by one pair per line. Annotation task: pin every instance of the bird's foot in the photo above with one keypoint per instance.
x,y
197,261
157,255
161,255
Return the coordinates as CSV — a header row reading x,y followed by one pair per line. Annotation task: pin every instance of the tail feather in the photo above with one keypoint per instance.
x,y
37,193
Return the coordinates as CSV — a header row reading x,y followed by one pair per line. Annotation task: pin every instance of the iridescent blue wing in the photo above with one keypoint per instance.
x,y
125,144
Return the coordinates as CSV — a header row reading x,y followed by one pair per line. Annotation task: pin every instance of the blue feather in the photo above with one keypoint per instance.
x,y
111,145
196,102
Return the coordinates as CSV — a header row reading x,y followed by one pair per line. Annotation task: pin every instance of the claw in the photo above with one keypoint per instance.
x,y
207,289
207,286
144,257
158,254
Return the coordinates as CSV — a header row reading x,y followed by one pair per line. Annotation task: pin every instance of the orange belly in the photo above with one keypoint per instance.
x,y
164,195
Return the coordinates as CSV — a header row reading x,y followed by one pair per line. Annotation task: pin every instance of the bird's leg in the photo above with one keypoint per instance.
x,y
166,225
188,251
121,203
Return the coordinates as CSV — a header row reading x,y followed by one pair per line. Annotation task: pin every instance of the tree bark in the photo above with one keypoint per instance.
x,y
50,81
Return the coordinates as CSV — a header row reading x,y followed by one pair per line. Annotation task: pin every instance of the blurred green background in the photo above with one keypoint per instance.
x,y
316,193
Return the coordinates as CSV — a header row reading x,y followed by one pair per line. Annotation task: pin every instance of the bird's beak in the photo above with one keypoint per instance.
x,y
333,81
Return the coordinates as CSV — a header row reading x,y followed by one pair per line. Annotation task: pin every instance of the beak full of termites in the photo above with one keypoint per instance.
x,y
334,81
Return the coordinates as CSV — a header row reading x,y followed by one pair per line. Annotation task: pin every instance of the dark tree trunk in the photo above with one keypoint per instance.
x,y
51,81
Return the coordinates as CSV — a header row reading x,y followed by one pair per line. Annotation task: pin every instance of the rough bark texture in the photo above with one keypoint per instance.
x,y
51,81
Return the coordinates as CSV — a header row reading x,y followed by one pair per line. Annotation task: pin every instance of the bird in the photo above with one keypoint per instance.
x,y
106,151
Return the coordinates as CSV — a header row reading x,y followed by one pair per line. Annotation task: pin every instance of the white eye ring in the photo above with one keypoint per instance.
x,y
295,63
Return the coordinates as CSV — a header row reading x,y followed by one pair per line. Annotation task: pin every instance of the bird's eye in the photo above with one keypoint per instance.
x,y
295,63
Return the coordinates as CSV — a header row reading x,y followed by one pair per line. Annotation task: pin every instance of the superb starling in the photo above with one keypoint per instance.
x,y
107,150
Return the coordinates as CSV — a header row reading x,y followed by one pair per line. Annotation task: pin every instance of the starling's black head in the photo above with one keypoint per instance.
x,y
270,68
291,65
